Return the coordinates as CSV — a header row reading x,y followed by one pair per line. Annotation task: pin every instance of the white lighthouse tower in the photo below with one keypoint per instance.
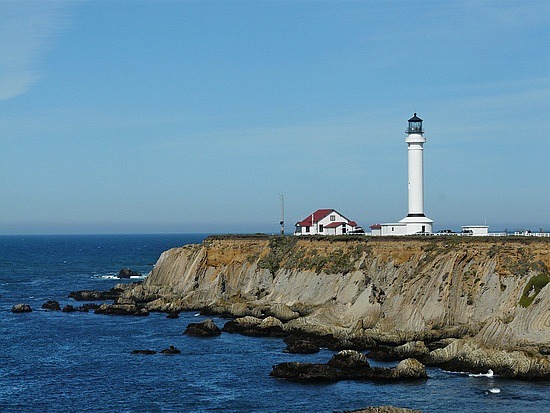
x,y
416,221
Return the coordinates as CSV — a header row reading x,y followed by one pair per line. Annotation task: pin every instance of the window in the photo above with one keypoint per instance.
x,y
333,217
321,228
307,229
344,229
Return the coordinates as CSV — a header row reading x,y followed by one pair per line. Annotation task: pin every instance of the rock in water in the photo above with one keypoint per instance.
x,y
51,305
21,308
146,352
69,309
128,273
410,368
349,365
256,327
305,372
349,359
297,345
121,309
412,349
171,350
93,295
87,307
206,328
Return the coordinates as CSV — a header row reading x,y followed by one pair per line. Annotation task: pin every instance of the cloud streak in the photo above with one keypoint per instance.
x,y
28,30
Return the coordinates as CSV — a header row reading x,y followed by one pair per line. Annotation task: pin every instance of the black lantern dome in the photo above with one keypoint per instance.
x,y
415,125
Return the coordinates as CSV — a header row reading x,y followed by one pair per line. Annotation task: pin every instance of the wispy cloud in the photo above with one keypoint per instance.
x,y
28,30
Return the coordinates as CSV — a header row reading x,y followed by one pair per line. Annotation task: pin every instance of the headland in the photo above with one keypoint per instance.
x,y
461,303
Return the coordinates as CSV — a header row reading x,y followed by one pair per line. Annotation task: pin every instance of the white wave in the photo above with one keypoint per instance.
x,y
494,390
488,374
114,276
107,277
456,372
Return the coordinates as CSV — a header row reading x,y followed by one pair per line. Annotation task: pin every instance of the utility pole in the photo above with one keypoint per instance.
x,y
282,222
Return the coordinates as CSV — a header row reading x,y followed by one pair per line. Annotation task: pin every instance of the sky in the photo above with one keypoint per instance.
x,y
195,116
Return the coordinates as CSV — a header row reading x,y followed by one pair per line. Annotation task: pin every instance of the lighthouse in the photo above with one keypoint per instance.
x,y
416,221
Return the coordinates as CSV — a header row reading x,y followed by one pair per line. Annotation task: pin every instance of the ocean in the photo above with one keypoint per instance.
x,y
81,362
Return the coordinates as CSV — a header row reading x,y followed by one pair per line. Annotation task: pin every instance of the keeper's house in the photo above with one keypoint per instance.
x,y
327,222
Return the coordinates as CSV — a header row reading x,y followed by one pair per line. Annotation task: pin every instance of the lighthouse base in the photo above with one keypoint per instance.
x,y
407,226
415,224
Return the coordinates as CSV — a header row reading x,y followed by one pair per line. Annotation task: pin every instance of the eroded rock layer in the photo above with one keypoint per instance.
x,y
492,291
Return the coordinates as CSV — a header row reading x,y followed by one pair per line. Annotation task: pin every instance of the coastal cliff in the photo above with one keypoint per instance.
x,y
487,292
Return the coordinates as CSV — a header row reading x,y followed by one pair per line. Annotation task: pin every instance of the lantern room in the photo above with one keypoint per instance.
x,y
415,125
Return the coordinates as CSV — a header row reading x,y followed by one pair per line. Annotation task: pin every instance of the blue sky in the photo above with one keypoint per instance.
x,y
193,116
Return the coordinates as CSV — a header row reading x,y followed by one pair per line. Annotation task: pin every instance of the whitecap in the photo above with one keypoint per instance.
x,y
494,390
488,374
110,276
456,372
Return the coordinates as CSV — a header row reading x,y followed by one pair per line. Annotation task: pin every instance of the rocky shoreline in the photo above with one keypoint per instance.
x,y
459,354
468,304
465,305
349,365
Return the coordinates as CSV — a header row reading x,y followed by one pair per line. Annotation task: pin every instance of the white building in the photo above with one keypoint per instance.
x,y
396,228
415,222
475,230
326,222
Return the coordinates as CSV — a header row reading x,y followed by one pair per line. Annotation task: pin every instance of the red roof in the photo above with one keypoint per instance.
x,y
376,226
317,216
334,224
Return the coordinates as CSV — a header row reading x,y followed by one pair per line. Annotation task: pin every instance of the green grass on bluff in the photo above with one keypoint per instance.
x,y
536,283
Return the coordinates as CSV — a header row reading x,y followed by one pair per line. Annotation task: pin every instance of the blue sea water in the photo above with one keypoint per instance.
x,y
82,362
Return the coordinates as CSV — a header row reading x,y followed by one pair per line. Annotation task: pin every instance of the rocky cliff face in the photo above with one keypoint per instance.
x,y
393,290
